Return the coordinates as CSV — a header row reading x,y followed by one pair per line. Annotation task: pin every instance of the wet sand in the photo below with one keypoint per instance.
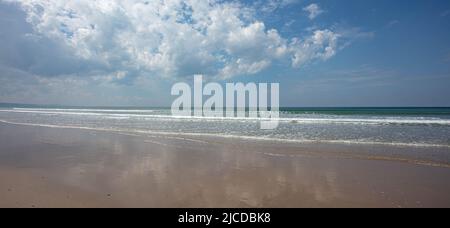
x,y
50,167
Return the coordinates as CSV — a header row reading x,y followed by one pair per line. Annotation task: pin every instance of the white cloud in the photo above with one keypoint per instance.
x,y
313,10
321,45
172,38
272,5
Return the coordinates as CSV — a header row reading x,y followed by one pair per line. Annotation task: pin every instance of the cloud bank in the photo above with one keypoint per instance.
x,y
122,40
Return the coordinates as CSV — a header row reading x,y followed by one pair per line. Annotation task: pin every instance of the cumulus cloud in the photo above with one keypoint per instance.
x,y
321,45
120,40
313,11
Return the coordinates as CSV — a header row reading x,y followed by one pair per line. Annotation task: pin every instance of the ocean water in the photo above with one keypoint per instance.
x,y
402,127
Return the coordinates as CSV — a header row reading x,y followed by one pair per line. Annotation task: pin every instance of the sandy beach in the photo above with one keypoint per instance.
x,y
53,167
224,104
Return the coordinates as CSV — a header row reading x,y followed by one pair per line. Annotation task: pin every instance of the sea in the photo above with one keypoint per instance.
x,y
394,126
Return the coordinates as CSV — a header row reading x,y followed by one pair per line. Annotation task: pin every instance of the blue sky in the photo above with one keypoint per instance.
x,y
323,53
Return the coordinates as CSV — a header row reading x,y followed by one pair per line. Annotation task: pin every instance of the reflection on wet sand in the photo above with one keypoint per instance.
x,y
108,169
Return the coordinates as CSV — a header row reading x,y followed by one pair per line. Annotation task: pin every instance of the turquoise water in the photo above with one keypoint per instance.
x,y
403,127
397,111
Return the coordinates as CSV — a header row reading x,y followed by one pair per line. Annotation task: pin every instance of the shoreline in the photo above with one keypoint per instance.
x,y
235,137
377,151
89,168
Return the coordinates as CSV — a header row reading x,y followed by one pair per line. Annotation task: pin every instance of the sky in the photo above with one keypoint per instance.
x,y
129,53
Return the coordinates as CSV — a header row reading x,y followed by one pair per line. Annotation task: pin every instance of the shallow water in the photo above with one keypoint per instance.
x,y
404,127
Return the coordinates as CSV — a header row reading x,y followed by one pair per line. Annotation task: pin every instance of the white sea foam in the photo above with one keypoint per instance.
x,y
242,137
126,114
86,110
